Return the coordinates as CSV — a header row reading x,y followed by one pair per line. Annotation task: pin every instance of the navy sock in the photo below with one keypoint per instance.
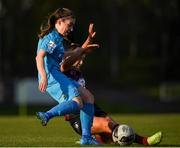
x,y
86,116
63,109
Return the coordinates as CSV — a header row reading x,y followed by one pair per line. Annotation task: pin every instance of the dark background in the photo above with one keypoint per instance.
x,y
136,67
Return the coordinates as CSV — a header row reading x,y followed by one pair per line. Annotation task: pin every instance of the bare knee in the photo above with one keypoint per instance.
x,y
86,95
79,101
100,124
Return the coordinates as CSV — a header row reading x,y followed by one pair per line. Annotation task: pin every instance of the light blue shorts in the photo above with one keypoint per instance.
x,y
61,88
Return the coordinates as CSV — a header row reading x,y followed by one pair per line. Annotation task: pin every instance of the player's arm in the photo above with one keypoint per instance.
x,y
88,43
40,67
71,57
90,37
87,46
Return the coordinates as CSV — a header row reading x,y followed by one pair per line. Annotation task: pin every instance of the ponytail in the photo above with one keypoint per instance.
x,y
50,24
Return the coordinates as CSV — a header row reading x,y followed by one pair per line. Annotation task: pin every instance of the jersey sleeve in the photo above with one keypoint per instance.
x,y
48,45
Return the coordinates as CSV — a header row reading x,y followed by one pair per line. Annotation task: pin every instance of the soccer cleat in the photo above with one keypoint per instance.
x,y
42,117
155,139
89,141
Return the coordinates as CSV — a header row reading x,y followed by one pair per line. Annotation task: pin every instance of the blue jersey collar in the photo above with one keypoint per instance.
x,y
57,33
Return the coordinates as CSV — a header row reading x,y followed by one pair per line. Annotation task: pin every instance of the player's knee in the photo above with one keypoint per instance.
x,y
86,95
79,101
90,98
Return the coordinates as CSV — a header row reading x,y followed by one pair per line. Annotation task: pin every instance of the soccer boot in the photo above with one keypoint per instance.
x,y
41,116
155,139
89,141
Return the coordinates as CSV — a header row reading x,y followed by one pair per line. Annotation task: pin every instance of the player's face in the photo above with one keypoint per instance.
x,y
66,25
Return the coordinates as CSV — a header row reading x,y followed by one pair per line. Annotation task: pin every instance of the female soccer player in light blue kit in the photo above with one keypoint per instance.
x,y
68,93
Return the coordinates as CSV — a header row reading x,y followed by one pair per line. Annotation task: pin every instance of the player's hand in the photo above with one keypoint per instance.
x,y
88,43
43,84
91,31
91,47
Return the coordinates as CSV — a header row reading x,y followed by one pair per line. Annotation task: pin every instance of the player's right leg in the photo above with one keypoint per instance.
x,y
61,109
66,95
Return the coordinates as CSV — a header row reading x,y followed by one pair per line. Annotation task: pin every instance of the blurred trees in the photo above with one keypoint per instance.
x,y
139,38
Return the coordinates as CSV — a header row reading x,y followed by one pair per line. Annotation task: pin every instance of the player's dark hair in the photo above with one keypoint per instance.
x,y
52,18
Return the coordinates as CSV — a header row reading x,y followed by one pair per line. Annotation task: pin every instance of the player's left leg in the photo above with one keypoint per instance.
x,y
152,140
86,117
103,127
155,139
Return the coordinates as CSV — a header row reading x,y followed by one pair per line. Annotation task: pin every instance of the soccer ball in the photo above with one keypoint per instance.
x,y
123,135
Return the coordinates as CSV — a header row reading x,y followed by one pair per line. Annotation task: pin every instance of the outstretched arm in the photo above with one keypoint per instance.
x,y
70,58
90,37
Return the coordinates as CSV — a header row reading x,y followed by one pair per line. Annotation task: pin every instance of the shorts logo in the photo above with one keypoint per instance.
x,y
63,97
51,46
82,82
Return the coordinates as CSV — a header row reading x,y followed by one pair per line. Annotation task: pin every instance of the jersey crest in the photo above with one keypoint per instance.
x,y
51,46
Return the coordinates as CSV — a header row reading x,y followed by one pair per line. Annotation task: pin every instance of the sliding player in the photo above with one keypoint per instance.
x,y
103,125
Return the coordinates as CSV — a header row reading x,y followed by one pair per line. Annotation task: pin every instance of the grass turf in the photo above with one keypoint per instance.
x,y
27,131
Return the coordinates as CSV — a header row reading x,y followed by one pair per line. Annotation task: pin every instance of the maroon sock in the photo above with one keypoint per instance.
x,y
140,140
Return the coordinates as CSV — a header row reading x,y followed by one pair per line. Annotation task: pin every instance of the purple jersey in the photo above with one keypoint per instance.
x,y
76,75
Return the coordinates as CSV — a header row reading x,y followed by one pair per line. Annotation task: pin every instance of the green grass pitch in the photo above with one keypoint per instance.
x,y
27,131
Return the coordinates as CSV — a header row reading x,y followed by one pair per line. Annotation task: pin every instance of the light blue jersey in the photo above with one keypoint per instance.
x,y
59,86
